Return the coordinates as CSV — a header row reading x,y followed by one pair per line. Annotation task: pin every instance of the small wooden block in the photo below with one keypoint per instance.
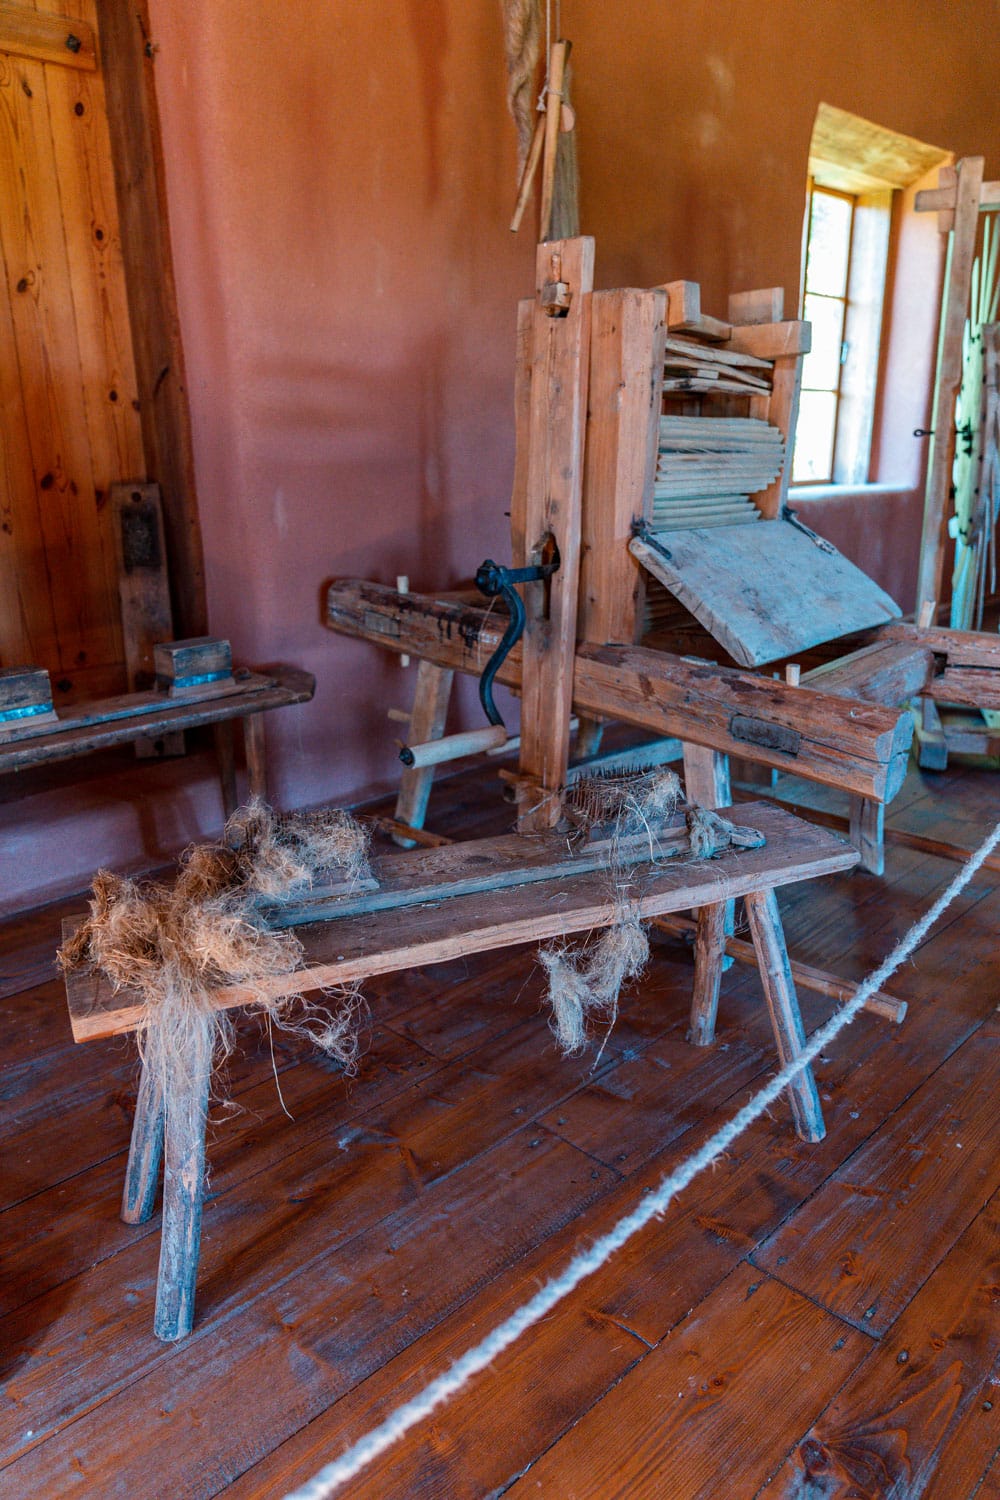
x,y
25,693
193,663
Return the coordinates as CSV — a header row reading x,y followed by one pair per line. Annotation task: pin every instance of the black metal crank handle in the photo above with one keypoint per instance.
x,y
493,580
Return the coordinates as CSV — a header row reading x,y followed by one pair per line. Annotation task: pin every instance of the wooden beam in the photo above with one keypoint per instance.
x,y
862,749
47,38
954,307
944,198
772,340
764,305
889,673
684,314
626,364
560,359
123,28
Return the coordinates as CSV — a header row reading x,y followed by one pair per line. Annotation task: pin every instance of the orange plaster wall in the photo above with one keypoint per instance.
x,y
340,179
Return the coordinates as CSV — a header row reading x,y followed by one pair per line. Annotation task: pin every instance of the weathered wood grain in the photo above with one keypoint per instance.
x,y
735,580
862,750
700,1395
925,1179
80,735
560,359
919,1416
621,446
339,952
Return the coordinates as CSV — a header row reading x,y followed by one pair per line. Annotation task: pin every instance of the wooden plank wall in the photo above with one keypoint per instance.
x,y
69,395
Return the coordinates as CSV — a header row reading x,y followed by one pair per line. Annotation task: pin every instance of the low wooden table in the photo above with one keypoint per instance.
x,y
87,727
514,890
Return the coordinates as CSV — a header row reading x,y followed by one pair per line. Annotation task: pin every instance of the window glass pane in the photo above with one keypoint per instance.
x,y
821,367
829,244
813,458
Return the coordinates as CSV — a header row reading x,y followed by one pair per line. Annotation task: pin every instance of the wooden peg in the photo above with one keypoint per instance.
x,y
403,587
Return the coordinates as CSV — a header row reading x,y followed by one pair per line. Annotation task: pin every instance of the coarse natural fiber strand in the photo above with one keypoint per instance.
x,y
522,30
584,984
653,1205
176,944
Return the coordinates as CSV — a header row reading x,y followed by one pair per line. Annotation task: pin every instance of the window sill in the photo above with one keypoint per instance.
x,y
811,493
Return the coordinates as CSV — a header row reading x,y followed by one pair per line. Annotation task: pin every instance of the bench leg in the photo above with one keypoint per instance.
x,y
783,1005
867,833
183,1189
253,744
707,782
222,734
144,1153
588,738
427,721
709,952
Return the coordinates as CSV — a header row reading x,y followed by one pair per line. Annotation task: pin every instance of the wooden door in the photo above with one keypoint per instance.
x,y
69,409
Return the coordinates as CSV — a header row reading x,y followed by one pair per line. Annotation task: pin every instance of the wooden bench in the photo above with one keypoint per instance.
x,y
438,904
87,727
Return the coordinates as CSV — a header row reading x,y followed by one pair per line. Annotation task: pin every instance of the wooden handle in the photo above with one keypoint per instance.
x,y
553,115
531,161
453,747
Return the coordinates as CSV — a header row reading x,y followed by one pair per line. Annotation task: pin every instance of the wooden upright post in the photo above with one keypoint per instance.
x,y
954,307
624,403
560,357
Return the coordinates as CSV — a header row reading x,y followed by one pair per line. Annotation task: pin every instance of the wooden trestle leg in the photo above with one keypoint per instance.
x,y
144,1153
783,1005
707,782
709,952
183,1189
427,721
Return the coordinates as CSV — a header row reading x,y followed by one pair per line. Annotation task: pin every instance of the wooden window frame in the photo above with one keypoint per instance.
x,y
844,299
866,280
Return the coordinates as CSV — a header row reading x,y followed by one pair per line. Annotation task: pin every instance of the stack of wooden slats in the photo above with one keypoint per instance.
x,y
708,467
693,366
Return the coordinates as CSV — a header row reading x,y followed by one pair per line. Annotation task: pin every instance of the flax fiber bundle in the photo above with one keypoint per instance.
x,y
584,986
176,944
522,27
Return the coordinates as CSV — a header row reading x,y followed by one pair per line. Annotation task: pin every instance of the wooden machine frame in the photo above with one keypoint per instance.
x,y
435,904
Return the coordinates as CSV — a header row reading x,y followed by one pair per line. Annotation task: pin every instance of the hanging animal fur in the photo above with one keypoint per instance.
x,y
177,944
632,812
522,28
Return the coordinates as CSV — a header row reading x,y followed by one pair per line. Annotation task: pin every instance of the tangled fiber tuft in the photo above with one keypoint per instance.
x,y
177,944
630,811
522,35
584,986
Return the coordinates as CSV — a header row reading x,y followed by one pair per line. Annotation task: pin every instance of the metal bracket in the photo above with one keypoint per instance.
x,y
493,580
789,515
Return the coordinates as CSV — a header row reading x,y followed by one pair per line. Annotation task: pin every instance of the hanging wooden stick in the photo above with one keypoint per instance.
x,y
531,161
553,119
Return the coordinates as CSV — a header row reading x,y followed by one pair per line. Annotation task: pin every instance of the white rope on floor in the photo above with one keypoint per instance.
x,y
357,1457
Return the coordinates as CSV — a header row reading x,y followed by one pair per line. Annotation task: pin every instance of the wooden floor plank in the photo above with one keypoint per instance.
x,y
60,1230
701,1395
350,1253
303,1341
901,1201
920,1416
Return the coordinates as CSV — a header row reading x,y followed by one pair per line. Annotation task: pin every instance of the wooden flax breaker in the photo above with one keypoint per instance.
x,y
692,571
436,904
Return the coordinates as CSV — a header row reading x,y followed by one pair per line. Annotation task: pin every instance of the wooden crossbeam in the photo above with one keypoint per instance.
x,y
863,751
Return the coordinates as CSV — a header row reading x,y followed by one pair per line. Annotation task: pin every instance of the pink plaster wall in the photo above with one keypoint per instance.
x,y
340,179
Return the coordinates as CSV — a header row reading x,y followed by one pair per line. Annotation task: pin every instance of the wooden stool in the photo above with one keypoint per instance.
x,y
486,895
